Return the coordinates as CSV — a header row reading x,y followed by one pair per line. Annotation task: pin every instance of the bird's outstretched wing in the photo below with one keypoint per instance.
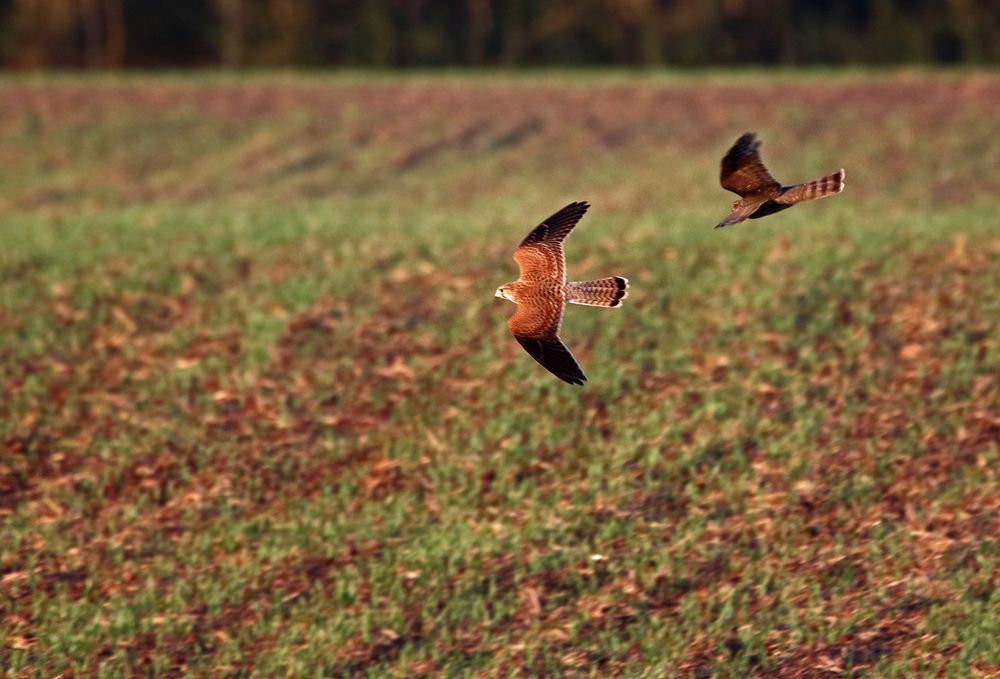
x,y
536,325
553,355
540,254
743,172
743,209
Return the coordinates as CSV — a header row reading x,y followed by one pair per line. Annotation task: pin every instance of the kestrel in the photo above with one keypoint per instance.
x,y
760,194
541,293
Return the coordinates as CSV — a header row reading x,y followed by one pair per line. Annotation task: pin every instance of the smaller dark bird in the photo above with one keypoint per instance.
x,y
744,173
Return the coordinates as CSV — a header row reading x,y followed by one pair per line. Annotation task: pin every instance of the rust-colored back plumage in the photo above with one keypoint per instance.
x,y
541,293
539,309
744,173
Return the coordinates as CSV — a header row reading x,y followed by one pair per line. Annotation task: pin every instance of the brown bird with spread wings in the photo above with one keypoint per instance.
x,y
541,293
760,194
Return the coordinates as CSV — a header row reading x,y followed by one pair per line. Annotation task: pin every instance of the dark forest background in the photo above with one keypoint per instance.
x,y
391,33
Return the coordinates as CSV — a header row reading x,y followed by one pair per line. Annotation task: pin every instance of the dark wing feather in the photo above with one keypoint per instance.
x,y
553,355
743,210
540,254
555,229
743,172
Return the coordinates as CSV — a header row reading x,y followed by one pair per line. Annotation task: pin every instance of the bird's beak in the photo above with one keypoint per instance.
x,y
498,294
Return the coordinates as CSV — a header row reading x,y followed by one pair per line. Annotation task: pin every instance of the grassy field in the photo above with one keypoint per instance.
x,y
261,414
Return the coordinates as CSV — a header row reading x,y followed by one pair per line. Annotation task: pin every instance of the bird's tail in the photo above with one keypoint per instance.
x,y
607,292
818,188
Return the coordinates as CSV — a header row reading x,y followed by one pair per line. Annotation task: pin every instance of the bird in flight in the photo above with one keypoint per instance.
x,y
541,293
760,194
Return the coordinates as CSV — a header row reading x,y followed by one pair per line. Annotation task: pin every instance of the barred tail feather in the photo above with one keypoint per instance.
x,y
606,292
829,185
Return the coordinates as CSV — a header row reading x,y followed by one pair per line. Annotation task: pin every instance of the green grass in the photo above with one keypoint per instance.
x,y
261,414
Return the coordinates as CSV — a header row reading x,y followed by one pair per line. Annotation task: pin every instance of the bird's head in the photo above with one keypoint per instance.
x,y
504,293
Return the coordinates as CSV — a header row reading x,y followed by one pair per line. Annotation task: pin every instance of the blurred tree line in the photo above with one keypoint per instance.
x,y
391,33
